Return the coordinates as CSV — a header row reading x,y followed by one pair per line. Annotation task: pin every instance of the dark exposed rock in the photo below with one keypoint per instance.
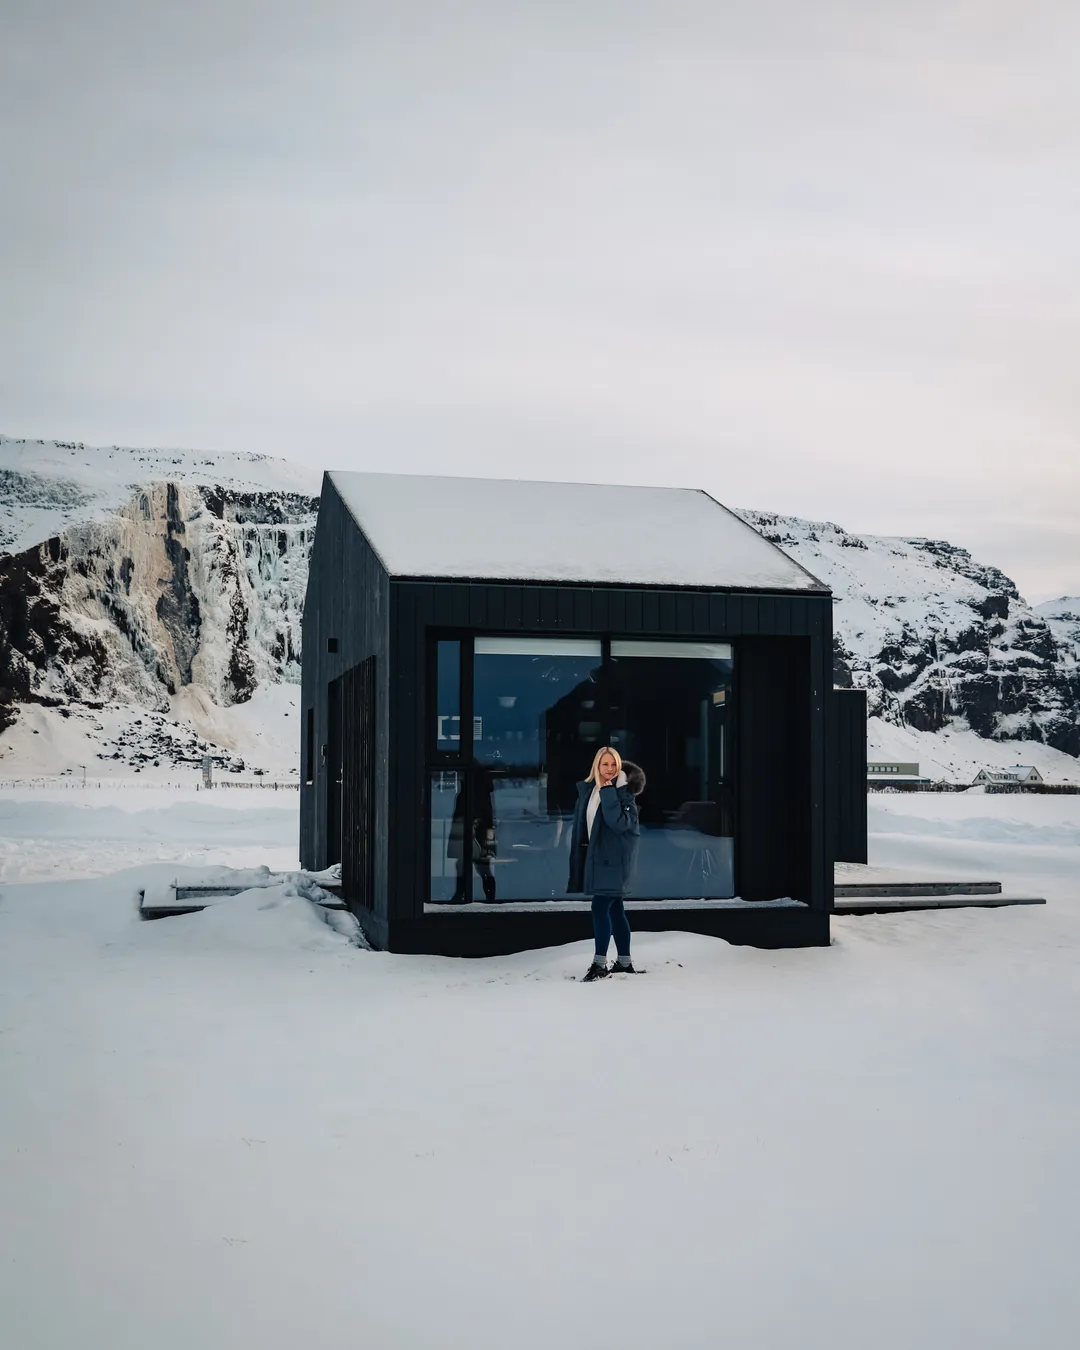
x,y
112,609
177,606
33,636
952,639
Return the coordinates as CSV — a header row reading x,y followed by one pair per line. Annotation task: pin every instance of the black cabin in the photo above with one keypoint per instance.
x,y
468,645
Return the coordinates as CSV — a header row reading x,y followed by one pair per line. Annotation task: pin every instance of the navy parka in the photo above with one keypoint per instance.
x,y
603,863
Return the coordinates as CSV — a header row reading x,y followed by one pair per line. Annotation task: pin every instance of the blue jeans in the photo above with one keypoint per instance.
x,y
608,916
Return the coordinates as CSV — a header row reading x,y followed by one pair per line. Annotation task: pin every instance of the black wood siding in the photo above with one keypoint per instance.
x,y
848,765
783,670
785,838
772,769
358,795
348,599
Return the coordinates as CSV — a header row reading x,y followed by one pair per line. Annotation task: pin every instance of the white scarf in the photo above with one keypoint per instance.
x,y
591,810
594,803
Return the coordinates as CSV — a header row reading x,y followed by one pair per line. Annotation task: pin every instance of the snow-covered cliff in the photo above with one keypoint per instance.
x,y
1062,617
134,576
172,583
937,638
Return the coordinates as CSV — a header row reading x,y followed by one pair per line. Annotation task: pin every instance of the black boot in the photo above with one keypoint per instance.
x,y
595,972
618,969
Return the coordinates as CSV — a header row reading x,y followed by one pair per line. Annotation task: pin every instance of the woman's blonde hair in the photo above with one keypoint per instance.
x,y
604,750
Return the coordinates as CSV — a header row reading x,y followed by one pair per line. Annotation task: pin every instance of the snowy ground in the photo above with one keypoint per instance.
x,y
106,744
239,1129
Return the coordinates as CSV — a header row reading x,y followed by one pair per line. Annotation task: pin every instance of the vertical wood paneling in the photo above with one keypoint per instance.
x,y
635,613
459,604
773,845
585,613
847,777
734,619
347,599
351,598
549,607
359,782
822,709
496,615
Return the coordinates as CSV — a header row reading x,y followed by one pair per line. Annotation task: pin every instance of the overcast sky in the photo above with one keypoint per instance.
x,y
822,258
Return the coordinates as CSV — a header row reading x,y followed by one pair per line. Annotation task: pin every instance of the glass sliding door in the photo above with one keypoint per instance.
x,y
671,713
536,726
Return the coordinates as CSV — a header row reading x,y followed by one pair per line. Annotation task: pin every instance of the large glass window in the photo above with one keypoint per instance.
x,y
670,710
536,719
453,847
538,709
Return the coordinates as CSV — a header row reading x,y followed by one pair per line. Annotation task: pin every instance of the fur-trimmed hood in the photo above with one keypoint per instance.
x,y
635,777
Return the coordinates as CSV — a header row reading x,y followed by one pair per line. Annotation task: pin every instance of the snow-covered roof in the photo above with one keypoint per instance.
x,y
509,529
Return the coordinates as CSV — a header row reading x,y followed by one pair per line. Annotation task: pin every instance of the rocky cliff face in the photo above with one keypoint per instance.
x,y
936,637
130,576
183,584
1062,617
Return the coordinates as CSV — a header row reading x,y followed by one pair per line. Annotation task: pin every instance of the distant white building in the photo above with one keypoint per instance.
x,y
891,769
1020,773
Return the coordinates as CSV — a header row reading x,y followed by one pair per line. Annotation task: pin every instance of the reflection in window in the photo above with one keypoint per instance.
x,y
537,724
448,698
460,841
500,820
670,712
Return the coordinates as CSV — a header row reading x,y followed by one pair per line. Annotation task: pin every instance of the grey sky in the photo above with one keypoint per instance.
x,y
820,258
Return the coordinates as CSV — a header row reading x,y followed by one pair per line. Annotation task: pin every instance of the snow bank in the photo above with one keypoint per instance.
x,y
64,838
279,917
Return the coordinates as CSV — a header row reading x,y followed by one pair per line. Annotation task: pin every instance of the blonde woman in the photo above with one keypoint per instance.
x,y
603,847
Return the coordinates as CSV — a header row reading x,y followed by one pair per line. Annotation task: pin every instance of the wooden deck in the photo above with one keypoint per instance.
x,y
169,901
860,889
864,889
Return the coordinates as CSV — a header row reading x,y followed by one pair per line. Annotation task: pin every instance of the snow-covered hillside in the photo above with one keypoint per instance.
x,y
159,591
939,640
159,580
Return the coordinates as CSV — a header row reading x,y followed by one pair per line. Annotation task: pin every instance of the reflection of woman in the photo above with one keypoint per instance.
x,y
479,847
603,847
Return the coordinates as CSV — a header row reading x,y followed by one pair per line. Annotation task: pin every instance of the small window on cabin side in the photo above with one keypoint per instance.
x,y
309,747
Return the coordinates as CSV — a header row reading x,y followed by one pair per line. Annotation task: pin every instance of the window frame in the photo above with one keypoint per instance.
x,y
463,761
